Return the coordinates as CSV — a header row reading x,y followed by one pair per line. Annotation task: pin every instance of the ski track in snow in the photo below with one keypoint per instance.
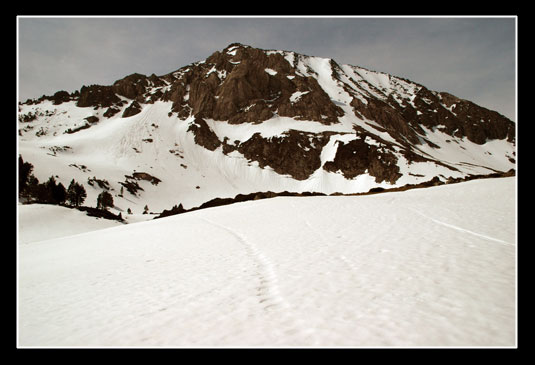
x,y
321,271
268,291
462,229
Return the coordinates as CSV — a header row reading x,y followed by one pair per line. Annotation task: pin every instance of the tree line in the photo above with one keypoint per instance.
x,y
52,192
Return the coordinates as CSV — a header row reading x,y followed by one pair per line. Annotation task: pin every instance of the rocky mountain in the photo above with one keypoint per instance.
x,y
249,120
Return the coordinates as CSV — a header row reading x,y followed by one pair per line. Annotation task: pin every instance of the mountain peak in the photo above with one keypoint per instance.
x,y
233,45
282,119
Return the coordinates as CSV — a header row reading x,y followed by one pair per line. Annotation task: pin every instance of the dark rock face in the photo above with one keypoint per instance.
x,y
431,110
92,119
295,153
131,182
477,123
111,111
146,176
204,136
60,97
97,96
386,116
249,86
357,156
246,85
133,109
131,86
242,84
464,119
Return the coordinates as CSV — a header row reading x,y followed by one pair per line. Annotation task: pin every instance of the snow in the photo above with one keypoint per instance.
x,y
379,80
221,74
297,95
38,222
232,50
182,165
432,267
329,150
272,127
467,155
191,175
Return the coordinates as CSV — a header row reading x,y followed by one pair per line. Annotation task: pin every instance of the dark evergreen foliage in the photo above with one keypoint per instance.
x,y
52,192
76,193
25,172
104,200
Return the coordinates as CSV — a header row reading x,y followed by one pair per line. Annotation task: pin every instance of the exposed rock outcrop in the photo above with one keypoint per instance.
x,y
60,97
357,157
97,96
390,116
247,85
295,153
133,109
477,123
204,135
131,86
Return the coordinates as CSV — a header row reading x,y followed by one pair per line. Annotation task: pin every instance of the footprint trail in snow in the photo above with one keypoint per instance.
x,y
267,290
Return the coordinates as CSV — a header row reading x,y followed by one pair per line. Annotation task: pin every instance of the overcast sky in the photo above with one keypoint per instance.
x,y
472,58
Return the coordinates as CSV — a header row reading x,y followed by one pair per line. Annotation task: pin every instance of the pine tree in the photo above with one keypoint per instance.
x,y
32,187
41,193
25,172
80,194
71,195
46,191
28,183
59,194
76,193
104,200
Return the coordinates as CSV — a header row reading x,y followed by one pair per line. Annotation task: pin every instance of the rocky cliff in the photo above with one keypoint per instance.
x,y
296,116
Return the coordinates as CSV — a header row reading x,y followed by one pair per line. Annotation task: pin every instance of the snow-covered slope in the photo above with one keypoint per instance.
x,y
425,267
248,120
38,222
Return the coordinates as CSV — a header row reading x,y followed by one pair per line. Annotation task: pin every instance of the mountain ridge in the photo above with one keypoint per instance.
x,y
263,120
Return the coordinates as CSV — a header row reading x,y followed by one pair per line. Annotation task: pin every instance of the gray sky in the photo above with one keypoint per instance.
x,y
472,58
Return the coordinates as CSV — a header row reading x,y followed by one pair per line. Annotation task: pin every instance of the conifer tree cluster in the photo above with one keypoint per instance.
x,y
52,192
49,192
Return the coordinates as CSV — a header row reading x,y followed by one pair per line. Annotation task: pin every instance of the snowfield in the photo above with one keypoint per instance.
x,y
38,222
432,267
